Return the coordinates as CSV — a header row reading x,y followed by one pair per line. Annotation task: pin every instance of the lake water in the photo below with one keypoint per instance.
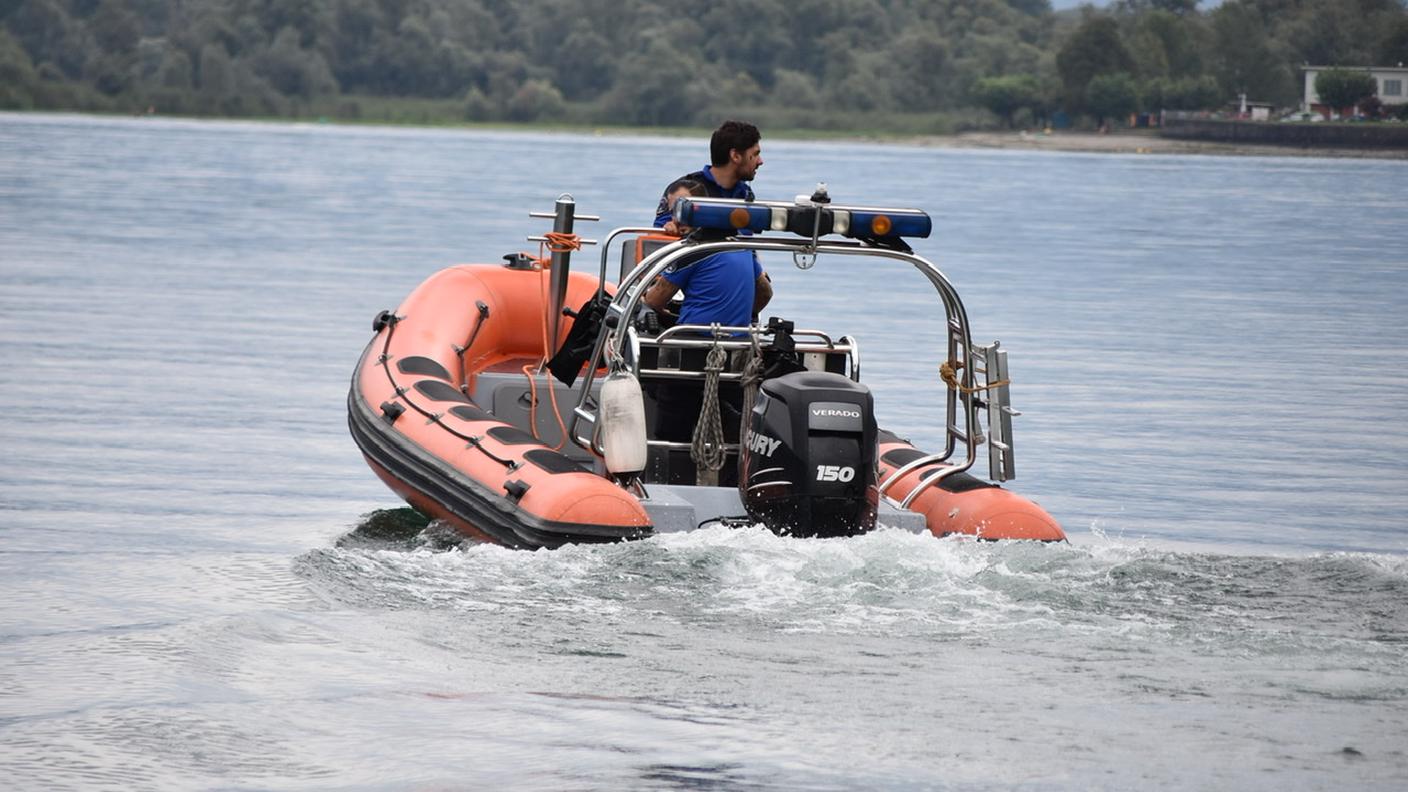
x,y
204,587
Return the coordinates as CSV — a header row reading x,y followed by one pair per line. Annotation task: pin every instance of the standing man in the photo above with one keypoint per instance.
x,y
727,288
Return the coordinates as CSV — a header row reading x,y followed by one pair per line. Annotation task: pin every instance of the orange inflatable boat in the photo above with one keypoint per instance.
x,y
518,402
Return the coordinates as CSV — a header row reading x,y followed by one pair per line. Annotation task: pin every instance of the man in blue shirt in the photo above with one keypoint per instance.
x,y
727,288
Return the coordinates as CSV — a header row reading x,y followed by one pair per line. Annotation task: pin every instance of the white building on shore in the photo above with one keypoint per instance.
x,y
1392,82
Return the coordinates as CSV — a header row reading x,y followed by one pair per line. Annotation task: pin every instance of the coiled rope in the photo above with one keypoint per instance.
x,y
707,446
948,372
557,242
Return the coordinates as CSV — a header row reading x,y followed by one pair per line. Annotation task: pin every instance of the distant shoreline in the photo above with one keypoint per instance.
x,y
1123,142
1142,143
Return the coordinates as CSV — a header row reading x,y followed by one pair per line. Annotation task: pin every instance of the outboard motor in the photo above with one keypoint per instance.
x,y
807,463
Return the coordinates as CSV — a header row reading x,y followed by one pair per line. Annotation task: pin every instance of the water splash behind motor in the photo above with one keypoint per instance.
x,y
892,582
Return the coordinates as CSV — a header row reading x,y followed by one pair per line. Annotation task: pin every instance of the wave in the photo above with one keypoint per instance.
x,y
890,581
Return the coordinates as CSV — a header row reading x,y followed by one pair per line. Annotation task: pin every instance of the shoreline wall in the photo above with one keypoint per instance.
x,y
1365,135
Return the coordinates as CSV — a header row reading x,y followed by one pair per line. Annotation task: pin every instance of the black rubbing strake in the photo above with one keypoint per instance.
x,y
441,391
478,503
423,366
553,462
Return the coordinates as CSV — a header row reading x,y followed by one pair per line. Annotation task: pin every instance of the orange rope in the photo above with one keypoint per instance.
x,y
948,372
556,243
557,413
528,370
563,243
531,374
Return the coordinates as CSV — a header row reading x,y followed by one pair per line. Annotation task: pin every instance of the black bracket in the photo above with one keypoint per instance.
x,y
889,243
391,411
776,323
516,489
383,319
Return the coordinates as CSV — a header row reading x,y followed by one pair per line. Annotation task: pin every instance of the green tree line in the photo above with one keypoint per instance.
x,y
905,65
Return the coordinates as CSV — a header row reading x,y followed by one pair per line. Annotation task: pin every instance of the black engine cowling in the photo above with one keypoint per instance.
x,y
807,464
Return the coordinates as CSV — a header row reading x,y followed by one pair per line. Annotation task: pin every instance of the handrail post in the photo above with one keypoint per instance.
x,y
564,215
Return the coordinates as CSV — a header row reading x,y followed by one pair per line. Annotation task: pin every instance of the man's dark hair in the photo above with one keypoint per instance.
x,y
730,136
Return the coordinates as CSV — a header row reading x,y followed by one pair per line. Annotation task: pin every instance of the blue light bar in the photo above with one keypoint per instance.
x,y
880,223
723,214
856,222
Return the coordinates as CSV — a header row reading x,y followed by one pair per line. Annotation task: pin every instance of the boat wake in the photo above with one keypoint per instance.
x,y
889,582
755,644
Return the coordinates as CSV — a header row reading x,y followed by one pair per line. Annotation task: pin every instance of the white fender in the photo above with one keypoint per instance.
x,y
623,423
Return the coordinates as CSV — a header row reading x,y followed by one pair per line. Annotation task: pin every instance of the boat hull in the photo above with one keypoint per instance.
x,y
458,460
963,504
449,457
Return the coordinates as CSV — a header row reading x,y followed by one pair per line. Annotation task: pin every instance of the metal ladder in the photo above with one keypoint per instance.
x,y
990,379
991,373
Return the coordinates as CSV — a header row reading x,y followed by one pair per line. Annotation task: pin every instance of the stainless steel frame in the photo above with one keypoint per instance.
x,y
619,345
